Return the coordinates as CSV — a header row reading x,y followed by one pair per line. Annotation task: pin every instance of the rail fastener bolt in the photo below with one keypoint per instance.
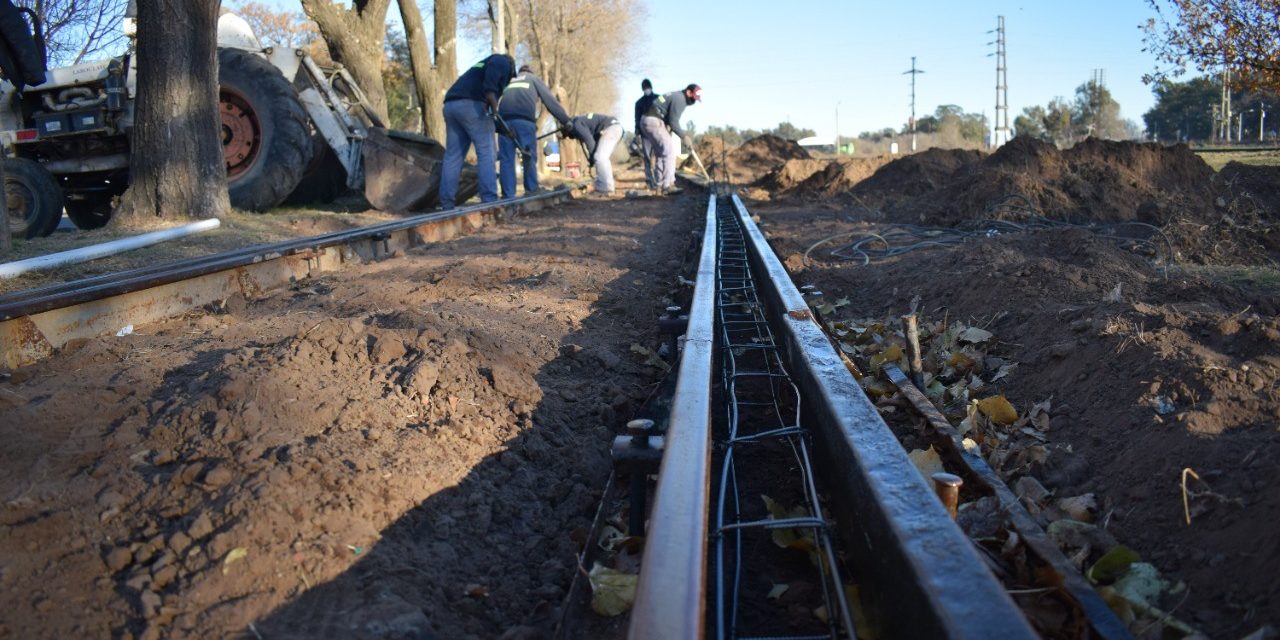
x,y
947,486
638,453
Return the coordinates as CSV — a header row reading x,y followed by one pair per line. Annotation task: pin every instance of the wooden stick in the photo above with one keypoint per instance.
x,y
911,330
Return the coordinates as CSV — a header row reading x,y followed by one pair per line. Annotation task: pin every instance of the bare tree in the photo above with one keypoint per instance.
x,y
432,76
176,166
77,29
356,35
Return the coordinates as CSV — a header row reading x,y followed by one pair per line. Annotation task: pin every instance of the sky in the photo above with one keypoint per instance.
x,y
815,61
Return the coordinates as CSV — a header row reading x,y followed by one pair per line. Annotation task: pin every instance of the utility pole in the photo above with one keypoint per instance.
x,y
912,122
837,128
1000,127
1224,110
1240,127
1262,119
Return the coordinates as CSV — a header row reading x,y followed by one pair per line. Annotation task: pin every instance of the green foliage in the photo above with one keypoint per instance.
x,y
1184,111
732,136
953,125
1093,112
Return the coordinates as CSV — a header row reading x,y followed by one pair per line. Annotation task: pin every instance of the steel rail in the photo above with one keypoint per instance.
x,y
921,575
671,594
53,296
35,322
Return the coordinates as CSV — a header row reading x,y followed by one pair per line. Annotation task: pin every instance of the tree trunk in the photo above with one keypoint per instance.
x,y
355,37
431,80
6,243
176,166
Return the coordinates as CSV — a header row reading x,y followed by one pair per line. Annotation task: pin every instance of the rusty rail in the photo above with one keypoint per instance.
x,y
671,596
36,321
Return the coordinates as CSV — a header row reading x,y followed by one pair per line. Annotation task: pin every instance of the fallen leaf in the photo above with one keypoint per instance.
x,y
799,539
998,409
975,335
1141,584
777,591
1079,507
927,462
233,555
1004,371
612,591
1112,564
639,349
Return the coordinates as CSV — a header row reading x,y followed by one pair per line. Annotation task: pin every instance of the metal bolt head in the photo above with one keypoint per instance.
x,y
673,309
947,486
640,427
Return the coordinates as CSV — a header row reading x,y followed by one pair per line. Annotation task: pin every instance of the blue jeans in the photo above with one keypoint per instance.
x,y
466,124
526,132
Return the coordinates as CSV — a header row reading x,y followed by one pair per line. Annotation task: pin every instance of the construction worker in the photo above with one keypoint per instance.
x,y
660,126
469,109
600,134
645,149
519,109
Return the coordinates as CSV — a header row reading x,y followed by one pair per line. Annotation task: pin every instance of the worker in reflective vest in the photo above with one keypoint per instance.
x,y
470,106
519,109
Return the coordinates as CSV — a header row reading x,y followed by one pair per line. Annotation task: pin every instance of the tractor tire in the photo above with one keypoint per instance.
x,y
266,135
324,181
22,58
89,212
34,198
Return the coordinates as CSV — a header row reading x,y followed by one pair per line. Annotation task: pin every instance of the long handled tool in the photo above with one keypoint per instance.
x,y
694,153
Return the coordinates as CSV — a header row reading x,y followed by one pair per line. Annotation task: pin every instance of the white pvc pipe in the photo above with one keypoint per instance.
x,y
93,252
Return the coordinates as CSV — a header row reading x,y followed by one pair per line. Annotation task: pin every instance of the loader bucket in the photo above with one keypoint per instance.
x,y
402,171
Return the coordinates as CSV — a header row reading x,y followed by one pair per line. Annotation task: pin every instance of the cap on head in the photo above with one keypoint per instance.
x,y
646,85
694,92
524,68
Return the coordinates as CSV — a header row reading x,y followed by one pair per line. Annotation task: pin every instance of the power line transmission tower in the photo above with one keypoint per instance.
x,y
1000,126
912,122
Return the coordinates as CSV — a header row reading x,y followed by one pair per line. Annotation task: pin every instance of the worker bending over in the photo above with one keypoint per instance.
x,y
469,108
519,109
660,126
600,134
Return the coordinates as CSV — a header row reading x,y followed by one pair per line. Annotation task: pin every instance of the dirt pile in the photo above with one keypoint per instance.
x,y
1148,376
819,178
403,450
754,159
916,174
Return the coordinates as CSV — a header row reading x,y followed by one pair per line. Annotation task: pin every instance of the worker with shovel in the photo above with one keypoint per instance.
x,y
470,110
661,128
599,135
518,109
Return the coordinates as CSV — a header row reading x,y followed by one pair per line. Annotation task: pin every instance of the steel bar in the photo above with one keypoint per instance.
x,y
928,579
35,322
1104,622
671,595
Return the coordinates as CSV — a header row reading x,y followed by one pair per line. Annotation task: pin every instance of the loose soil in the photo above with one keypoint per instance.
x,y
1149,375
411,448
752,160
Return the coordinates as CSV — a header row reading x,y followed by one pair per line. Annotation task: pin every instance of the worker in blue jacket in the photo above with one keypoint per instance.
x,y
661,128
519,110
599,134
469,109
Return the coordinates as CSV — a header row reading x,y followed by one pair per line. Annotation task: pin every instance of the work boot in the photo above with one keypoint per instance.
x,y
672,191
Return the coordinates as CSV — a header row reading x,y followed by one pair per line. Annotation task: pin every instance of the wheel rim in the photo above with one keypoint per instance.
x,y
20,203
241,133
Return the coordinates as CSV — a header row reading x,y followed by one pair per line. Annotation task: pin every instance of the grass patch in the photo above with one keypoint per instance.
x,y
1262,278
1219,159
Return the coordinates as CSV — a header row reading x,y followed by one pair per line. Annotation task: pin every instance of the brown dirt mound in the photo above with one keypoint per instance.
x,y
916,174
810,178
1168,374
1258,184
755,158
